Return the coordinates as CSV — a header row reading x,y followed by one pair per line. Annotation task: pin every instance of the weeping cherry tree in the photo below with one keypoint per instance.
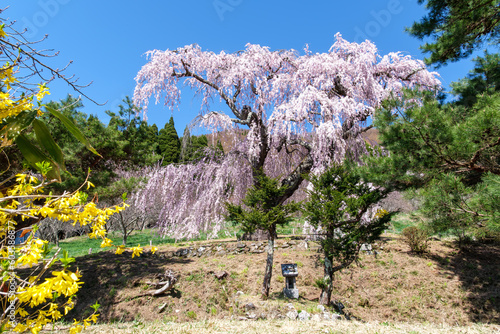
x,y
300,113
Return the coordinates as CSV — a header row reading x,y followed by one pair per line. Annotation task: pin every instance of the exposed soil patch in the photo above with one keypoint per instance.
x,y
444,285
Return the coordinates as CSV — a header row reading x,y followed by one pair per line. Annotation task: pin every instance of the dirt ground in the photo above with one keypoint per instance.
x,y
444,286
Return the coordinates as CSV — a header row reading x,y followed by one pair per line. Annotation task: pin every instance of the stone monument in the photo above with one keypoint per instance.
x,y
290,272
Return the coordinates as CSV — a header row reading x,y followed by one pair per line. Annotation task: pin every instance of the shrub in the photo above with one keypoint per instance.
x,y
416,238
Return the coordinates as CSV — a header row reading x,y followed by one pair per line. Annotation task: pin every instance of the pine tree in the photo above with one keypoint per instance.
x,y
457,28
344,208
169,143
263,211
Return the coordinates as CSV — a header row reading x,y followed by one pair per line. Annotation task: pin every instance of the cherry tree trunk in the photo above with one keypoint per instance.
x,y
326,291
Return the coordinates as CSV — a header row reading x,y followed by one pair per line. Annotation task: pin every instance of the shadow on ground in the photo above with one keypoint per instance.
x,y
105,274
478,270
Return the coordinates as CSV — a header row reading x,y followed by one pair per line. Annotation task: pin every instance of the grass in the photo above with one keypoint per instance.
x,y
284,326
402,220
79,246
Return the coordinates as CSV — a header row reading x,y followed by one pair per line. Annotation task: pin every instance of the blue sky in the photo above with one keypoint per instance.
x,y
106,39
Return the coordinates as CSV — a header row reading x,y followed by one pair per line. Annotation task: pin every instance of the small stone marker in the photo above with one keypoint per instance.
x,y
290,272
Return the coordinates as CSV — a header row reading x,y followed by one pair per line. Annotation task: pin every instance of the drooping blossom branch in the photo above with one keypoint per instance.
x,y
309,110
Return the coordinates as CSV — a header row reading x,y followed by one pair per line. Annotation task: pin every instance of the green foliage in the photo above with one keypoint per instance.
x,y
322,283
458,27
191,314
169,145
263,210
126,142
484,78
119,189
39,145
140,141
337,203
193,147
449,152
416,238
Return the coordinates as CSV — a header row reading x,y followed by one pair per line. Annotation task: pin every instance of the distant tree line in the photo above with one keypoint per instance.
x,y
126,143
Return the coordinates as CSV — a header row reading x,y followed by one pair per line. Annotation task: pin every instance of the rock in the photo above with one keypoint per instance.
x,y
251,316
291,293
366,247
302,245
221,274
240,244
316,317
336,316
326,315
321,308
182,252
256,236
249,306
201,249
290,306
292,315
303,315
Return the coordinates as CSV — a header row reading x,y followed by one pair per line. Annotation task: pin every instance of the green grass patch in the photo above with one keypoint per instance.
x,y
79,246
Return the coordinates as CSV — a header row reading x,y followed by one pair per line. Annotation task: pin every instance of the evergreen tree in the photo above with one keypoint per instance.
x,y
484,78
140,141
450,154
458,27
193,147
169,143
265,212
343,208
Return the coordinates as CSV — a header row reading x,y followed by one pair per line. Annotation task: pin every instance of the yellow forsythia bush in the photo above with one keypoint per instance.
x,y
40,297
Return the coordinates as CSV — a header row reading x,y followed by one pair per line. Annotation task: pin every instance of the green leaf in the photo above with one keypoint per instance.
x,y
66,260
33,155
72,128
46,141
96,306
46,248
15,125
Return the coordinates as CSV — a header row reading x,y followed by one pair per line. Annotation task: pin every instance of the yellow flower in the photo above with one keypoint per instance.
x,y
2,33
76,329
120,249
153,249
68,308
136,251
93,317
106,243
43,90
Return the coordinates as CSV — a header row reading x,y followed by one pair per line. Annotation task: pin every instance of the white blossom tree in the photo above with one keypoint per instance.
x,y
302,112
